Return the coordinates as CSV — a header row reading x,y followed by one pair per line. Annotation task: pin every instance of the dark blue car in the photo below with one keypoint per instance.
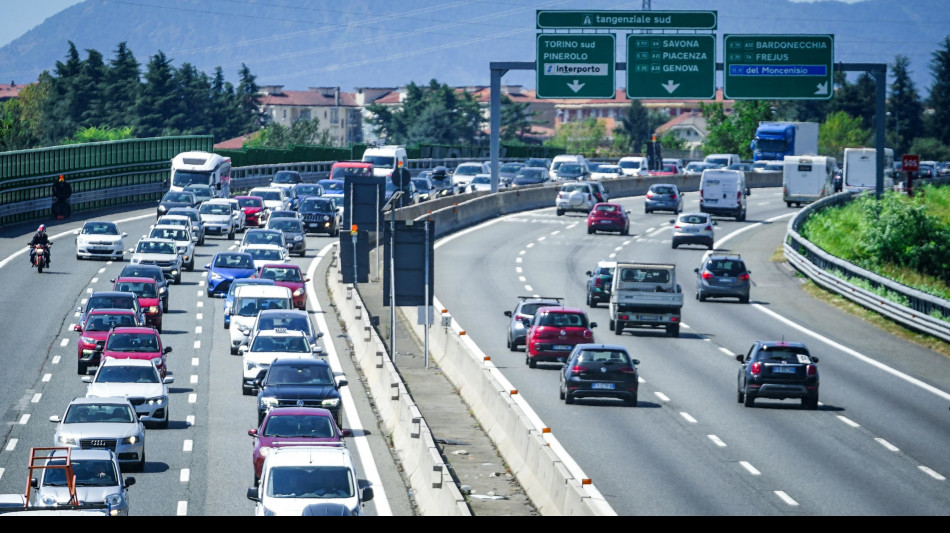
x,y
225,268
229,298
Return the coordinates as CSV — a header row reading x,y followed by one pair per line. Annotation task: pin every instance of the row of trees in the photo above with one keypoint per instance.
x,y
91,99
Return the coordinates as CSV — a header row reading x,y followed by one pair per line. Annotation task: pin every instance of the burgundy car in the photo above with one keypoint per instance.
x,y
290,276
608,217
146,290
136,343
294,426
95,330
255,214
554,332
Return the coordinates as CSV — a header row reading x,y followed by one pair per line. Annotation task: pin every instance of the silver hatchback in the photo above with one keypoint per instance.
x,y
693,228
722,276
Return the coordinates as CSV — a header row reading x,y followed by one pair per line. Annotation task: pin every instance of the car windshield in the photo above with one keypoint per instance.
x,y
603,357
289,225
569,168
309,190
140,289
629,164
263,237
468,170
528,173
115,302
268,254
174,221
132,342
152,247
293,323
268,195
646,275
332,185
279,343
306,426
325,482
200,191
662,189
575,320
481,179
127,374
184,178
191,213
96,413
176,234
379,161
324,206
88,473
421,183
233,261
214,209
105,322
251,202
604,271
510,167
180,197
100,228
694,219
725,267
571,187
532,308
608,208
250,306
669,168
536,162
281,274
284,176
783,354
300,374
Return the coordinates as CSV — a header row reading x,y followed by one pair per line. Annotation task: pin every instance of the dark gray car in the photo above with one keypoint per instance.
x,y
294,234
663,197
722,275
174,199
519,320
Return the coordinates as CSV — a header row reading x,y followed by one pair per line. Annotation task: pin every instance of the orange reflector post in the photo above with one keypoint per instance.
x,y
513,391
586,481
461,333
545,430
486,358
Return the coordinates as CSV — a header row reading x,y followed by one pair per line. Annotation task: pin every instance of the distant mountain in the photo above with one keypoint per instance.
x,y
382,43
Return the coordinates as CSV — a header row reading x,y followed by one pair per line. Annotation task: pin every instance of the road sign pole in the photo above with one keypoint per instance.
x,y
353,233
379,265
392,283
426,311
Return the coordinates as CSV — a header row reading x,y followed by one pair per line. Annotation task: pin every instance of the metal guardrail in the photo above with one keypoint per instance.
x,y
829,271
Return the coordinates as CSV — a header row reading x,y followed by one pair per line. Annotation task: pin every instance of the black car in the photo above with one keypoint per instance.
x,y
148,271
572,172
110,300
600,371
285,178
427,190
442,181
519,320
319,215
544,162
175,199
507,172
299,383
599,281
778,370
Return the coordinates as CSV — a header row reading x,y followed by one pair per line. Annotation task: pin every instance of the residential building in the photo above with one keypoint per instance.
x,y
337,111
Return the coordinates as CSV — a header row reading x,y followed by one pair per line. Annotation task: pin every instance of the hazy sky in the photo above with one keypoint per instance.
x,y
19,17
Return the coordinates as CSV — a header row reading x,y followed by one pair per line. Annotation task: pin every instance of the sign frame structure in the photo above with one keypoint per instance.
x,y
645,53
599,86
550,19
783,73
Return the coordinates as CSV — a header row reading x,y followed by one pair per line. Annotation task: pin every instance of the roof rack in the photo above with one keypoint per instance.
x,y
558,298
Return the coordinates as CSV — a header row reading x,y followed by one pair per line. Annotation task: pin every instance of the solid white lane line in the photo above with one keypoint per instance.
x,y
848,421
11,445
188,445
193,398
56,359
749,468
182,508
1,473
36,397
931,473
24,419
47,377
887,445
687,417
185,475
662,396
786,498
716,440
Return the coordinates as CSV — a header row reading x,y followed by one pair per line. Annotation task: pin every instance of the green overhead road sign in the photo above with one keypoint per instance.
x,y
671,66
627,20
576,65
787,67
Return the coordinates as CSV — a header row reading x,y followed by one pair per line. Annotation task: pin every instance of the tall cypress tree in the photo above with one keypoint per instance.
x,y
123,83
222,94
857,100
158,99
193,90
939,123
247,116
905,122
89,88
60,115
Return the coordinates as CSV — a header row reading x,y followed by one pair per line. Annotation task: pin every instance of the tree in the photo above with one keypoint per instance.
x,y
122,85
247,116
93,134
905,110
516,119
841,131
158,100
672,141
435,113
857,100
193,90
939,122
583,137
60,116
89,91
635,128
930,149
731,134
222,96
301,132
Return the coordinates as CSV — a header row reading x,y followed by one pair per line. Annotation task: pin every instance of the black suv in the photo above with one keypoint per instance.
x,y
442,182
319,215
520,319
778,370
299,383
722,276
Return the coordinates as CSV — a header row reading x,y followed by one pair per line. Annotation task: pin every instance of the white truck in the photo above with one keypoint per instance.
x,y
807,178
645,295
860,169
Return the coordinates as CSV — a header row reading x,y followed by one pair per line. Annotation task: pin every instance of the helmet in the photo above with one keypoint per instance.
x,y
61,177
42,228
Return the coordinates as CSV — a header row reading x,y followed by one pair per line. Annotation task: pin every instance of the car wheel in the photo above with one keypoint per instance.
x,y
591,231
749,400
673,330
675,243
532,363
81,368
741,217
788,204
646,211
610,323
568,398
740,397
140,467
191,266
560,392
632,401
590,301
78,257
247,391
159,328
178,279
560,212
625,231
702,297
810,403
165,307
201,241
234,351
260,420
744,299
710,245
618,327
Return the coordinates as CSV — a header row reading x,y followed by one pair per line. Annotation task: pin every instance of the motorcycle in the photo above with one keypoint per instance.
x,y
39,259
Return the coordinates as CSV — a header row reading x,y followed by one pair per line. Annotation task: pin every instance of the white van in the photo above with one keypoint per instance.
x,y
248,301
560,160
723,160
202,168
632,165
723,192
807,178
860,169
385,159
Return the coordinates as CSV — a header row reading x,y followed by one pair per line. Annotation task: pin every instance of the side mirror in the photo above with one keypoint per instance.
x,y
346,433
589,273
208,266
168,349
252,432
54,418
740,357
593,325
306,279
257,382
696,270
319,334
672,221
129,481
367,494
342,383
253,495
715,223
748,192
87,379
124,234
76,232
78,328
169,380
814,359
508,313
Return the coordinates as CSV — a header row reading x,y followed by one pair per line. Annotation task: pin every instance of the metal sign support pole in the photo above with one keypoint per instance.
x,y
379,266
426,311
392,283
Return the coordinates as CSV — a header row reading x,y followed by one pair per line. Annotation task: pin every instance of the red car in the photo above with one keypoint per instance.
x,y
255,214
554,332
146,290
608,217
136,343
95,330
294,426
290,276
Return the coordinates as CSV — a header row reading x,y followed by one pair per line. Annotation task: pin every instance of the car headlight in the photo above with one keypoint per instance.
x,y
174,272
268,402
244,329
250,366
182,249
299,292
330,402
158,400
215,275
87,340
153,309
162,208
66,439
298,238
265,451
326,217
162,290
49,500
113,500
131,440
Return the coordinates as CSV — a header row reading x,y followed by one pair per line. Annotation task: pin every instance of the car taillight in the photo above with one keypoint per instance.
x,y
708,227
812,370
649,195
707,274
672,197
738,195
519,317
589,197
743,277
756,368
677,226
560,195
627,370
700,193
588,334
579,369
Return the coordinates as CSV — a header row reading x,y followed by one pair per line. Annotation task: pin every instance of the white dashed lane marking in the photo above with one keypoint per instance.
x,y
24,419
194,361
786,498
662,396
187,445
522,279
930,472
101,270
201,304
749,468
190,420
185,475
848,421
56,359
95,280
11,445
686,416
717,441
725,351
528,288
199,316
192,398
517,260
36,397
194,378
47,377
530,245
64,342
197,330
887,445
182,508
197,344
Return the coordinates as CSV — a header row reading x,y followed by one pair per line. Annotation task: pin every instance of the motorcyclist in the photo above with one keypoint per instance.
x,y
62,191
40,237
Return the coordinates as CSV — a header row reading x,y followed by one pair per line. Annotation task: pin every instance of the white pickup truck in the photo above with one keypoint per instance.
x,y
645,295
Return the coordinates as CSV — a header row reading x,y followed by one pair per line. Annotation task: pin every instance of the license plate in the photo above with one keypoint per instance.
x,y
726,280
708,201
609,386
647,317
691,230
783,369
560,347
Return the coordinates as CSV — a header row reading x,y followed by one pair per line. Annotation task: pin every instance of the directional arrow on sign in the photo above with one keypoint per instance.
x,y
670,86
575,86
822,88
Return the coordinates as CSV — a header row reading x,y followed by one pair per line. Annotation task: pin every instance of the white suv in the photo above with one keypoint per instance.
x,y
184,244
217,218
295,477
578,196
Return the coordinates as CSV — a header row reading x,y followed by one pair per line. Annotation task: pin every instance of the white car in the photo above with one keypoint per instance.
x,y
160,252
183,242
102,423
480,182
294,477
100,238
464,173
217,218
289,319
262,236
249,300
576,196
240,219
268,345
275,198
135,379
98,480
266,253
179,220
607,172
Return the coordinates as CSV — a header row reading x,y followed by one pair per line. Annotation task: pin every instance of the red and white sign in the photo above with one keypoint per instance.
x,y
910,163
